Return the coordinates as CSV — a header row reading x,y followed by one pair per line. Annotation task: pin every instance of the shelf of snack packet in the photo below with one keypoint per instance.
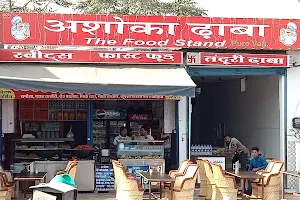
x,y
30,148
54,158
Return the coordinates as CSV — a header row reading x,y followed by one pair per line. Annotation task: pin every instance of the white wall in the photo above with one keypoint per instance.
x,y
293,110
293,92
169,116
253,116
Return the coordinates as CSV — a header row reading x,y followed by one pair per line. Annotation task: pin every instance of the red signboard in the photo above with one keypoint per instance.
x,y
238,60
40,95
139,117
74,56
149,31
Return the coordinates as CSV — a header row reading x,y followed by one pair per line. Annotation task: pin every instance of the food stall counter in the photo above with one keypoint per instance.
x,y
141,155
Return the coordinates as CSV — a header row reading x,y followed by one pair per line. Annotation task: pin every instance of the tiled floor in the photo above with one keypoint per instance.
x,y
111,196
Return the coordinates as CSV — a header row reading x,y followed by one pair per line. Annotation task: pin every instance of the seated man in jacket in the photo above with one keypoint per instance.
x,y
256,163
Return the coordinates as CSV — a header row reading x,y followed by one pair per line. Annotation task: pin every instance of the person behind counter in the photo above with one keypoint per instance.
x,y
234,146
130,133
121,136
144,131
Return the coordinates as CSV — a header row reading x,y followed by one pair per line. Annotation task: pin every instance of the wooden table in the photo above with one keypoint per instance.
x,y
157,177
248,175
26,177
290,173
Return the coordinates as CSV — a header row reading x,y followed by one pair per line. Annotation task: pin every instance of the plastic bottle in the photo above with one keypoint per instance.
x,y
201,149
207,149
204,149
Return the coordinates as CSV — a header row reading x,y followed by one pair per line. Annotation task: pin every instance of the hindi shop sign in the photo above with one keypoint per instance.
x,y
43,95
238,60
149,31
74,56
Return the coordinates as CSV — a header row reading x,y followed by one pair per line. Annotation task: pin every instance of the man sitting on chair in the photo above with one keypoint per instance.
x,y
256,163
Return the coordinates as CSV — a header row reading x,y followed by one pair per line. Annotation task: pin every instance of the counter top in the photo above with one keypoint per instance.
x,y
201,156
61,161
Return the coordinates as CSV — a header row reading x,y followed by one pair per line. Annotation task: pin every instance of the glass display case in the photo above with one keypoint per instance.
x,y
142,155
140,149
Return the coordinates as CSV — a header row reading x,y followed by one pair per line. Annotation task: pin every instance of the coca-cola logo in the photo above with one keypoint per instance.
x,y
140,117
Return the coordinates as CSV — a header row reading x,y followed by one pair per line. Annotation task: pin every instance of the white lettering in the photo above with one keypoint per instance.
x,y
239,29
224,60
139,42
248,29
92,26
56,24
191,43
128,40
266,60
40,55
115,55
180,42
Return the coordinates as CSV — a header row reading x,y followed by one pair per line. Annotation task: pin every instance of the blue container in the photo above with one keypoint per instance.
x,y
64,178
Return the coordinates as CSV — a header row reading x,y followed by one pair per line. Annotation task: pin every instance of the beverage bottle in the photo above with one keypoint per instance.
x,y
201,149
208,149
204,149
192,150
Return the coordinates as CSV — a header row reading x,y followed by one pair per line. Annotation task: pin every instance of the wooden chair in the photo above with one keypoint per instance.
x,y
203,178
70,169
226,187
8,180
116,177
271,187
9,175
128,187
6,192
271,182
178,172
211,184
184,185
181,168
267,170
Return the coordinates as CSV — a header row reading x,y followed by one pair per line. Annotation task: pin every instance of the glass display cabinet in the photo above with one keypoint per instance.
x,y
135,154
